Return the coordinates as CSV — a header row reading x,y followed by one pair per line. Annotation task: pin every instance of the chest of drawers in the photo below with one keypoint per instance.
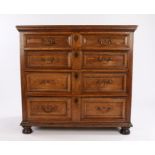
x,y
76,76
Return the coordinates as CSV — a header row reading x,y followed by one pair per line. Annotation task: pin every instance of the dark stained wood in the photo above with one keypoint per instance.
x,y
76,75
125,131
102,28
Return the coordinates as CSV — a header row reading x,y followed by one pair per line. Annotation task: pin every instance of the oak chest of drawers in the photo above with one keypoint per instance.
x,y
76,76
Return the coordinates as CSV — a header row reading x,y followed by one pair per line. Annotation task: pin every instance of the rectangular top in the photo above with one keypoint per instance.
x,y
37,28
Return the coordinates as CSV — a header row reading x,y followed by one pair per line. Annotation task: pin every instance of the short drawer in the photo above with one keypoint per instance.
x,y
100,109
100,60
104,82
48,59
51,82
49,108
52,41
105,40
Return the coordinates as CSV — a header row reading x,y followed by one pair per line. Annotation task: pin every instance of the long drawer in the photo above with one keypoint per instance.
x,y
76,109
76,60
77,82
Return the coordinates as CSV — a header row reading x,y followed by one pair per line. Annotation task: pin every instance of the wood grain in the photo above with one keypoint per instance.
x,y
76,76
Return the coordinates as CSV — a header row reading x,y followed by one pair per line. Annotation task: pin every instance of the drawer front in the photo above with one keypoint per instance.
x,y
101,60
104,82
105,41
47,40
54,82
47,59
99,109
49,108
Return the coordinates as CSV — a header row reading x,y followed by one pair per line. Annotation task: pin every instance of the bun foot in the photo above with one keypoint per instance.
x,y
125,131
27,130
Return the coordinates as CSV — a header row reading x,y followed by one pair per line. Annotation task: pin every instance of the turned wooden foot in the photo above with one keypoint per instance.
x,y
125,131
27,130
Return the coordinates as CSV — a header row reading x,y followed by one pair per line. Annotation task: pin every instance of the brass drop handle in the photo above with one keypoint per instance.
x,y
48,60
102,59
103,109
105,41
48,108
103,83
46,82
49,41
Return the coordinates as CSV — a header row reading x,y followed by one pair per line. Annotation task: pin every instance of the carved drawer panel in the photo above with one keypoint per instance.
x,y
103,108
48,59
105,41
104,82
49,108
48,41
56,82
104,60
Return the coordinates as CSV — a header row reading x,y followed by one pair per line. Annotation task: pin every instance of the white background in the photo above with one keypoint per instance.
x,y
143,103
